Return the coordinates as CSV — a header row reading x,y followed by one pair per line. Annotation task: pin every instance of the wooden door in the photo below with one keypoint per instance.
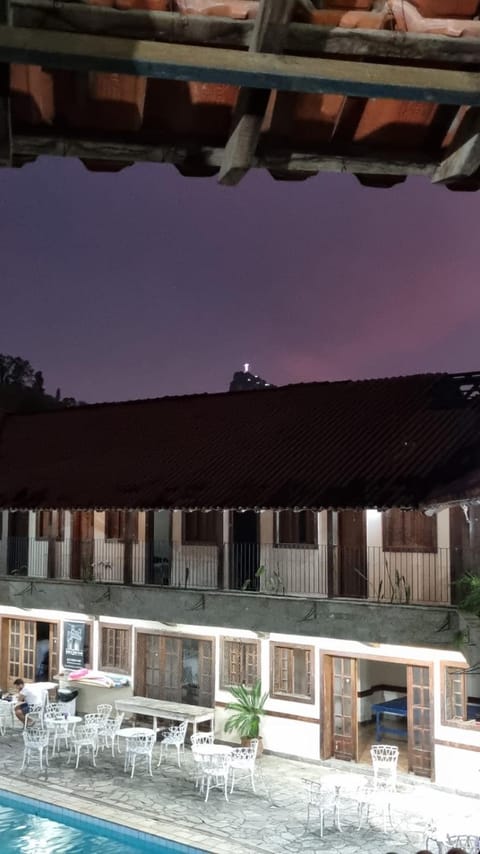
x,y
420,723
352,554
464,544
175,668
82,544
244,550
150,667
206,674
344,708
52,651
171,668
17,544
21,652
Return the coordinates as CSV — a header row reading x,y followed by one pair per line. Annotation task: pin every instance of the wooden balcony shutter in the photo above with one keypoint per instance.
x,y
409,531
116,524
296,528
49,525
200,526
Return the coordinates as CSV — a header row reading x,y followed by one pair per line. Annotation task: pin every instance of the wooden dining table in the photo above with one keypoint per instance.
x,y
167,710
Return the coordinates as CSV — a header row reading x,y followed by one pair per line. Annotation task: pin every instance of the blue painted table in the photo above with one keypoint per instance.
x,y
396,708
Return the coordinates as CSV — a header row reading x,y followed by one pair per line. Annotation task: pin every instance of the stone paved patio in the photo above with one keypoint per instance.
x,y
273,820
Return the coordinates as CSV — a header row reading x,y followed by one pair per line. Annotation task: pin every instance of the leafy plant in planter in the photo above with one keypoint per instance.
x,y
248,708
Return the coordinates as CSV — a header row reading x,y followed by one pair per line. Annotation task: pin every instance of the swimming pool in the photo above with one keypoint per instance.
x,y
28,826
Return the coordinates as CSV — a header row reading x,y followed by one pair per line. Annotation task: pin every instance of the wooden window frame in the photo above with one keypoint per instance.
x,y
122,667
289,696
203,523
397,535
48,527
288,525
226,668
449,674
116,525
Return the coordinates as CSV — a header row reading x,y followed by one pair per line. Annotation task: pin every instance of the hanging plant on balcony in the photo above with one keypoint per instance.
x,y
248,709
469,593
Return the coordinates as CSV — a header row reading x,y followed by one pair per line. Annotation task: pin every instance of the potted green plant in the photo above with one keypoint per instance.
x,y
248,708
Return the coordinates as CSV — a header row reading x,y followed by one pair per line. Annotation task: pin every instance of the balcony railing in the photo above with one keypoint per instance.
x,y
318,571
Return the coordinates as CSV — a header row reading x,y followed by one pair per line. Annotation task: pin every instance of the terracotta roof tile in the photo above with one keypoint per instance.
x,y
372,443
52,110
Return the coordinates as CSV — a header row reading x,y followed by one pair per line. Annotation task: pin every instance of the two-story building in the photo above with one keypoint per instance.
x,y
312,536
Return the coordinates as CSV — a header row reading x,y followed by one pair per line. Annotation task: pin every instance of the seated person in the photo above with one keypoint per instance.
x,y
28,696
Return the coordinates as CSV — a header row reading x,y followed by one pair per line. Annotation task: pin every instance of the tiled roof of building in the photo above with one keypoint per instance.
x,y
382,89
373,443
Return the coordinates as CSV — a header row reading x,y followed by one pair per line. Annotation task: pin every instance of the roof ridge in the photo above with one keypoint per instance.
x,y
216,394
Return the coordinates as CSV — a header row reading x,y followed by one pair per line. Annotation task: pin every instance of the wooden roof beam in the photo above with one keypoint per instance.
x,y
301,39
81,52
268,37
355,160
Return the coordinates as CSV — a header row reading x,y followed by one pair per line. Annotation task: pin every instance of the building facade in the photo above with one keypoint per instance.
x,y
336,584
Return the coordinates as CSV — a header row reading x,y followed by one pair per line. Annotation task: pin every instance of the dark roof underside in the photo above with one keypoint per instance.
x,y
377,443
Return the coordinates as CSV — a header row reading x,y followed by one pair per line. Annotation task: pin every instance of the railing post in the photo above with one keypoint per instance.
x,y
221,566
128,547
149,546
331,574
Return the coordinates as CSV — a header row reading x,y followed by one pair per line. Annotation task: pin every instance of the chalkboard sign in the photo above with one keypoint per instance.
x,y
74,645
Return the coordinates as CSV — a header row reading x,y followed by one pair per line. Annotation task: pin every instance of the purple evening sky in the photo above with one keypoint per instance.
x,y
144,283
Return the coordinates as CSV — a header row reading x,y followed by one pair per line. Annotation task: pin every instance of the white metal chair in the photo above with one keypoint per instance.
x,y
214,771
96,721
7,716
108,732
140,746
175,737
322,799
242,763
84,737
56,724
378,799
53,709
438,834
35,741
464,842
33,719
384,762
104,709
196,740
35,714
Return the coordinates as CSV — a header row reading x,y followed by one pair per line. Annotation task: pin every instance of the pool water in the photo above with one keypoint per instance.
x,y
33,827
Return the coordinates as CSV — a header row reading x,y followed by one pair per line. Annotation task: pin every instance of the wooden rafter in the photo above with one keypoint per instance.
x,y
463,157
268,37
5,114
82,52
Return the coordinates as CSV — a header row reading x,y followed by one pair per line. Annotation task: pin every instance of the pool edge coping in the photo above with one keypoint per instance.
x,y
110,814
